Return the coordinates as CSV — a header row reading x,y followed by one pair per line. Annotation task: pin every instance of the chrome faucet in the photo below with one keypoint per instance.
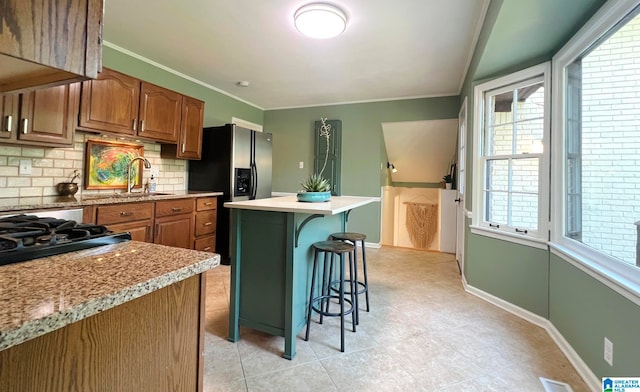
x,y
147,165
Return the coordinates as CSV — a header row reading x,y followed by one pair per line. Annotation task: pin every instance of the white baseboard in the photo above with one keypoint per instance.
x,y
583,370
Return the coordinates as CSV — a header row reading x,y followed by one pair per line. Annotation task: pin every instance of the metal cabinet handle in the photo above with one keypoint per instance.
x,y
176,209
183,147
126,213
25,125
208,204
141,125
207,224
9,121
134,123
207,248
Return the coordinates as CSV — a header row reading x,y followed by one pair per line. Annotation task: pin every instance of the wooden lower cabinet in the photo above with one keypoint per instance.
x,y
205,224
174,223
152,343
136,218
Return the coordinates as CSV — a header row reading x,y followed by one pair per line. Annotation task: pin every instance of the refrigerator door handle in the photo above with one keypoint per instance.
x,y
254,182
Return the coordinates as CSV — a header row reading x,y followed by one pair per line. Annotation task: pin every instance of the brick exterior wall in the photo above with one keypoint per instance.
x,y
611,144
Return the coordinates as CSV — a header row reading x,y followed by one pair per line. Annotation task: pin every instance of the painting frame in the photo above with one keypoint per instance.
x,y
106,164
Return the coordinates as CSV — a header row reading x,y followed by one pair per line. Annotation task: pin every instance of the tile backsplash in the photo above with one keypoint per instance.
x,y
51,166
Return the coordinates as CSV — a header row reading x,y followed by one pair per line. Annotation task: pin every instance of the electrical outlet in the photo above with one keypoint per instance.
x,y
155,171
301,165
25,167
608,351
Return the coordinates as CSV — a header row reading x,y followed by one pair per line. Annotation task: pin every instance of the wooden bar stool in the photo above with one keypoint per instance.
x,y
358,287
320,301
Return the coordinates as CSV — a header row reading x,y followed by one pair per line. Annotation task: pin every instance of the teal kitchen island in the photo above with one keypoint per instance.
x,y
271,260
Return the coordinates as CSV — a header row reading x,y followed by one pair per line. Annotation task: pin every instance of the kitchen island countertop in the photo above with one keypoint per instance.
x,y
42,295
336,205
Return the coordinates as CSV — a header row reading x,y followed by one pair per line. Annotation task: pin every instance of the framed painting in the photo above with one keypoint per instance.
x,y
106,164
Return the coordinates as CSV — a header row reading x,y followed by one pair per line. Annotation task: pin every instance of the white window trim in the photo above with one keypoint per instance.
x,y
623,278
539,240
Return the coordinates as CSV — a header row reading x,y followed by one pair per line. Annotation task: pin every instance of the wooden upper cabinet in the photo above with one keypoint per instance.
x,y
43,117
110,103
49,42
191,131
160,111
9,113
118,103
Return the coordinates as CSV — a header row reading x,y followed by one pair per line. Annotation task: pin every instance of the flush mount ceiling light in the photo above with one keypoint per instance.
x,y
320,20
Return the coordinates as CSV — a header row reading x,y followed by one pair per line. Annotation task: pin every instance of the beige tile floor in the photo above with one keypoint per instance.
x,y
424,333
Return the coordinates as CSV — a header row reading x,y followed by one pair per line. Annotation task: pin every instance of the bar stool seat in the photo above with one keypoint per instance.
x,y
357,286
319,302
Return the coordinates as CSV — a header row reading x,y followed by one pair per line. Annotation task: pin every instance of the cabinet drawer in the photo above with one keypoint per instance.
x,y
206,244
205,223
206,203
173,207
119,213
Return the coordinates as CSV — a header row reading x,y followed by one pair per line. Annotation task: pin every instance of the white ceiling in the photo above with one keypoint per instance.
x,y
421,151
390,50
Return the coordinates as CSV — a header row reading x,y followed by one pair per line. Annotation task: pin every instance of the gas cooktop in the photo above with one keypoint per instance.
x,y
27,237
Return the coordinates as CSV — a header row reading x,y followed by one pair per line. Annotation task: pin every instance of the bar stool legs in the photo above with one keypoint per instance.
x,y
330,250
358,287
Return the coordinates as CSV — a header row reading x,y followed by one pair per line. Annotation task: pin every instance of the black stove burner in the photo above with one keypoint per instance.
x,y
26,237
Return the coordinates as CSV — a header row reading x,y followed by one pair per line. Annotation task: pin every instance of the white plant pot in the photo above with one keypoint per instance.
x,y
447,185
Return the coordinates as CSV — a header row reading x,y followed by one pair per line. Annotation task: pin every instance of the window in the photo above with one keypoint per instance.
x,y
511,162
597,122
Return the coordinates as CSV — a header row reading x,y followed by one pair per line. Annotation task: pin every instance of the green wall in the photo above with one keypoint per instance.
x,y
364,161
218,108
585,311
518,274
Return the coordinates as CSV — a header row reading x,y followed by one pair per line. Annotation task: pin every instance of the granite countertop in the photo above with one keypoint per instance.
x,y
42,295
33,203
336,205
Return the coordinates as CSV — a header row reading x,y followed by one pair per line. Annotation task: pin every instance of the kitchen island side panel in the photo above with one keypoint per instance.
x,y
270,275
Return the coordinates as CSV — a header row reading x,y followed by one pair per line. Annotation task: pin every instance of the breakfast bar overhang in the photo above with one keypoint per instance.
x,y
271,260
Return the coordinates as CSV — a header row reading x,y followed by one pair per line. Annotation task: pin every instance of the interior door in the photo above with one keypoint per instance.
x,y
460,210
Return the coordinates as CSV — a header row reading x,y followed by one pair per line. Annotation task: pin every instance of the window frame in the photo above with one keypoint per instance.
x,y
540,237
616,274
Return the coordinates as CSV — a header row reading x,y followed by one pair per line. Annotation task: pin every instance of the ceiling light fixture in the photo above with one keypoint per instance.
x,y
320,20
393,168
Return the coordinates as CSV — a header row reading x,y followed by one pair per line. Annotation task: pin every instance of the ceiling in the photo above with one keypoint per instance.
x,y
390,50
421,151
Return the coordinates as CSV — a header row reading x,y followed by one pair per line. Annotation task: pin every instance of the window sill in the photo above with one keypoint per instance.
x,y
515,238
628,288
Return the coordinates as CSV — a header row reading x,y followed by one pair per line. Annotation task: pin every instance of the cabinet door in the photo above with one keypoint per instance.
x,y
191,131
9,113
174,231
140,230
45,116
110,103
160,111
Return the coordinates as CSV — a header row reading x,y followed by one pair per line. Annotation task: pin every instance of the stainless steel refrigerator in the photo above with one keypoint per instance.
x,y
237,162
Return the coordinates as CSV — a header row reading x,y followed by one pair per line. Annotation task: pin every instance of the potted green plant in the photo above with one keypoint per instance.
x,y
317,188
447,179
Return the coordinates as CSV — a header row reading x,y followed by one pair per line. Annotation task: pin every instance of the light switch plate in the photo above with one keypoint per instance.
x,y
155,171
25,167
